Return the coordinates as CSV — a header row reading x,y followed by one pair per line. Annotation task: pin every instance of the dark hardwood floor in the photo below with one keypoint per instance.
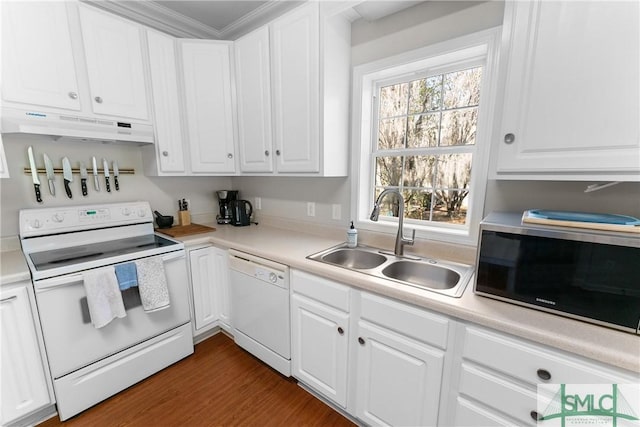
x,y
219,385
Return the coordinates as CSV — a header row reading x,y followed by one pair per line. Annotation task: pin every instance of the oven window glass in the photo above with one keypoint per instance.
x,y
592,280
76,254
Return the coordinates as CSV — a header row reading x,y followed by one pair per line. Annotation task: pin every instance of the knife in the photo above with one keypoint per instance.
x,y
105,166
83,179
48,166
116,172
96,182
68,176
34,174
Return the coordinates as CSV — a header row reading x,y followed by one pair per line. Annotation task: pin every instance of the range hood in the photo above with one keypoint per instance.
x,y
68,127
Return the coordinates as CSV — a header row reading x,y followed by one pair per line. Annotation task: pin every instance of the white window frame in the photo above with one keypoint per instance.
x,y
481,48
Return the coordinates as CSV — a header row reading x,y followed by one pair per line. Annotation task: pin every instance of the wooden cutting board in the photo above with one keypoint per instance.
x,y
185,230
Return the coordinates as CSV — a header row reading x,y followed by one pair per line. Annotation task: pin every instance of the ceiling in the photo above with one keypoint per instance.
x,y
228,20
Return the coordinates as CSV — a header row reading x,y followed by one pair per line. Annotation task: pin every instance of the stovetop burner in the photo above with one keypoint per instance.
x,y
46,260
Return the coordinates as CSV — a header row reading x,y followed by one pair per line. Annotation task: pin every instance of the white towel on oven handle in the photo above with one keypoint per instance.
x,y
103,295
152,284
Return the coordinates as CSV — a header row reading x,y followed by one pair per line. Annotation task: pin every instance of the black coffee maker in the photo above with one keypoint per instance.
x,y
224,198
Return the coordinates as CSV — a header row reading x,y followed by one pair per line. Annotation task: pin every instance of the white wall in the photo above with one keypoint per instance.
x,y
17,191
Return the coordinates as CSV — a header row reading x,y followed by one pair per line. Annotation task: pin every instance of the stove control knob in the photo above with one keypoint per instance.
x,y
126,211
142,213
57,218
36,223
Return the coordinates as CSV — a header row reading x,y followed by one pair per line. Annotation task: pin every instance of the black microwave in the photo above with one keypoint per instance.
x,y
587,275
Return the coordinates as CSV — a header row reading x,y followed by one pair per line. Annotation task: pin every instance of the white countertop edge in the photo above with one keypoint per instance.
x,y
617,348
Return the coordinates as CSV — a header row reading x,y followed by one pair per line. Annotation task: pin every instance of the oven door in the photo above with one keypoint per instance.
x,y
71,340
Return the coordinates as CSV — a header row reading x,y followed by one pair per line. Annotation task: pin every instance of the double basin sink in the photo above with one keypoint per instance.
x,y
443,277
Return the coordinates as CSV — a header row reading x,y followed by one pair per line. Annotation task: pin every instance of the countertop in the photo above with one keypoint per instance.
x,y
290,247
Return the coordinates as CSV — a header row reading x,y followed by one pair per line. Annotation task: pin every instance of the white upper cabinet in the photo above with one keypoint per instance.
x,y
296,83
113,51
206,69
571,103
253,90
292,81
64,57
38,65
167,157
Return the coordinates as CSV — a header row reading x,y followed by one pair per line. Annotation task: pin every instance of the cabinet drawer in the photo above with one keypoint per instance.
x,y
504,396
468,414
325,291
532,363
405,319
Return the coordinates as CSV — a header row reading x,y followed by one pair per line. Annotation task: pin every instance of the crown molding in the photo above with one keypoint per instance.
x,y
159,17
258,17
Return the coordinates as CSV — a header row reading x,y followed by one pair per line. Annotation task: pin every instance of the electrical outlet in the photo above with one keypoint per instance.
x,y
257,203
311,209
336,211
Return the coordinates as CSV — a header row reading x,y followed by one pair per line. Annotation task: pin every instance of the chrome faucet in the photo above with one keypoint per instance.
x,y
400,239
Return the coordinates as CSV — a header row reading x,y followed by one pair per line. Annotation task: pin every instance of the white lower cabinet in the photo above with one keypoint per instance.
x,y
25,379
379,359
320,335
496,377
398,379
209,272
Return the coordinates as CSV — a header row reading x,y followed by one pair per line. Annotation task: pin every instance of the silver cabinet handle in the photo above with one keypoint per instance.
x,y
266,153
509,138
165,153
7,299
277,152
230,156
73,95
98,99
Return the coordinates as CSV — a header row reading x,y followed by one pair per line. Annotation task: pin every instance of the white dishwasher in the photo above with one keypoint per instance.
x,y
260,316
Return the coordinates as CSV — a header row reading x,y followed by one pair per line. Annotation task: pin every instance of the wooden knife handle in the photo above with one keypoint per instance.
x,y
83,185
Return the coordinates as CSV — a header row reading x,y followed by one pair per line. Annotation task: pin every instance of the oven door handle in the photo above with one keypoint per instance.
x,y
77,277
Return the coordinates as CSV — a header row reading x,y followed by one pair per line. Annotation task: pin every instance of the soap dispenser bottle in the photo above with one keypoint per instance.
x,y
352,236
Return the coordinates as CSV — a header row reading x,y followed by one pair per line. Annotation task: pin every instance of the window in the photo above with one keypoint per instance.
x,y
423,129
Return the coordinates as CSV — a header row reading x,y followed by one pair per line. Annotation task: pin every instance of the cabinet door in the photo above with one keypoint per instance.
x,y
24,379
221,262
38,67
398,380
113,52
209,117
166,102
205,271
320,338
571,95
296,89
253,89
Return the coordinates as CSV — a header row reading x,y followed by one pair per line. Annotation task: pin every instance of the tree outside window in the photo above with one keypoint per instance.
x,y
425,143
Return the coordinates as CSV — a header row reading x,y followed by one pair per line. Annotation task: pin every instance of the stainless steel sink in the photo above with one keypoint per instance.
x,y
354,258
422,274
443,277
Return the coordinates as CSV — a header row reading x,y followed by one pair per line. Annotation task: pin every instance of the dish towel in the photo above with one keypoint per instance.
x,y
127,275
103,296
152,284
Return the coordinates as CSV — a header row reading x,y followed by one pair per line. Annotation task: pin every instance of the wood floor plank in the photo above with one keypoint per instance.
x,y
219,385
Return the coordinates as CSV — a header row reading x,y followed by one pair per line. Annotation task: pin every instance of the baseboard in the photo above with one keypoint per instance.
x,y
35,418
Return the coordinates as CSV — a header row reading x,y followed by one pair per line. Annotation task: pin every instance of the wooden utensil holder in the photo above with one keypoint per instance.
x,y
184,218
